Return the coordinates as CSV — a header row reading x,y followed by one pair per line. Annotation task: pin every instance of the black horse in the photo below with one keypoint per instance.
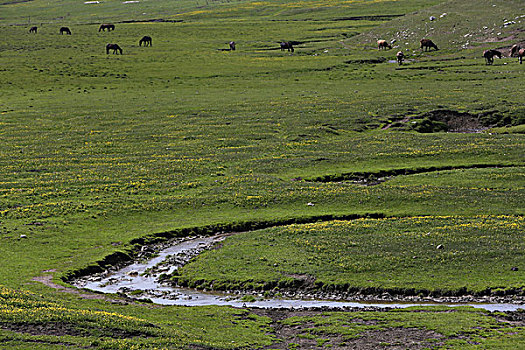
x,y
287,45
65,30
113,47
427,44
489,56
33,30
146,40
232,45
109,27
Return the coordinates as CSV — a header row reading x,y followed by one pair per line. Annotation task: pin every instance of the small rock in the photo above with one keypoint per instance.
x,y
23,236
432,18
440,246
514,268
133,273
310,204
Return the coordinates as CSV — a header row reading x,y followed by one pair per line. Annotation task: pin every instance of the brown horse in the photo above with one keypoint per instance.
x,y
383,44
113,47
146,40
514,50
521,53
109,27
232,45
400,57
287,45
65,30
33,30
427,44
489,56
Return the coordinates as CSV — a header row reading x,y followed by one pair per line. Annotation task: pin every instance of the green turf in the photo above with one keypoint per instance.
x,y
440,255
97,150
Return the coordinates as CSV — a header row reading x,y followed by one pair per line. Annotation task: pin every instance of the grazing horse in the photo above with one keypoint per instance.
x,y
489,55
287,45
33,30
109,27
521,53
146,40
400,57
514,50
383,44
113,47
65,30
232,45
427,44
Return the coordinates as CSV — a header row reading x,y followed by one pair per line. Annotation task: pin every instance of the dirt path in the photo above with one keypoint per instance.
x,y
48,281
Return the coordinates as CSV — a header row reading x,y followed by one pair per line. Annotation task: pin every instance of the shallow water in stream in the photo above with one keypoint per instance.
x,y
140,280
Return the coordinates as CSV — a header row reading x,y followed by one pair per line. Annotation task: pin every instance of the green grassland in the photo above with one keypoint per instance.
x,y
399,255
97,150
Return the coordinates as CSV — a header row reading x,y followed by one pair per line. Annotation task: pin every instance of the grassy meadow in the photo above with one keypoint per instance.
x,y
99,150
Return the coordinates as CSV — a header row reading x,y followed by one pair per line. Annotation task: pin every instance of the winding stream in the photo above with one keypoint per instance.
x,y
140,280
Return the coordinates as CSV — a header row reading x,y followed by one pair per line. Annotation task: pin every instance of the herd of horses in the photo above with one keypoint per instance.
x,y
515,51
425,45
146,40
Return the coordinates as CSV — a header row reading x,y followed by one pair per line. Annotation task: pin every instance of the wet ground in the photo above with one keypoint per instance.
x,y
141,280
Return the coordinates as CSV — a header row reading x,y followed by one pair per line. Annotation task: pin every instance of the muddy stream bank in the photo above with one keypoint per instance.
x,y
140,280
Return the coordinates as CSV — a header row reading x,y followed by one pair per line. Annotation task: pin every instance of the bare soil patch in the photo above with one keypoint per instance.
x,y
391,338
52,328
62,329
457,121
395,338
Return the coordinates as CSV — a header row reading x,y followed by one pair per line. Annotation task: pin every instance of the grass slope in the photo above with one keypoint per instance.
x,y
98,150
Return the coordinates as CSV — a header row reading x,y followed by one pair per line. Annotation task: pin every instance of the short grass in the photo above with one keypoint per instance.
x,y
441,329
28,318
441,255
97,150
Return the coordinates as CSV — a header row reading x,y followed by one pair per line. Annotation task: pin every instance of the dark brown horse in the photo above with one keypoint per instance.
x,y
113,47
287,45
400,56
383,44
232,45
489,56
109,27
65,30
521,54
146,40
33,30
427,44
